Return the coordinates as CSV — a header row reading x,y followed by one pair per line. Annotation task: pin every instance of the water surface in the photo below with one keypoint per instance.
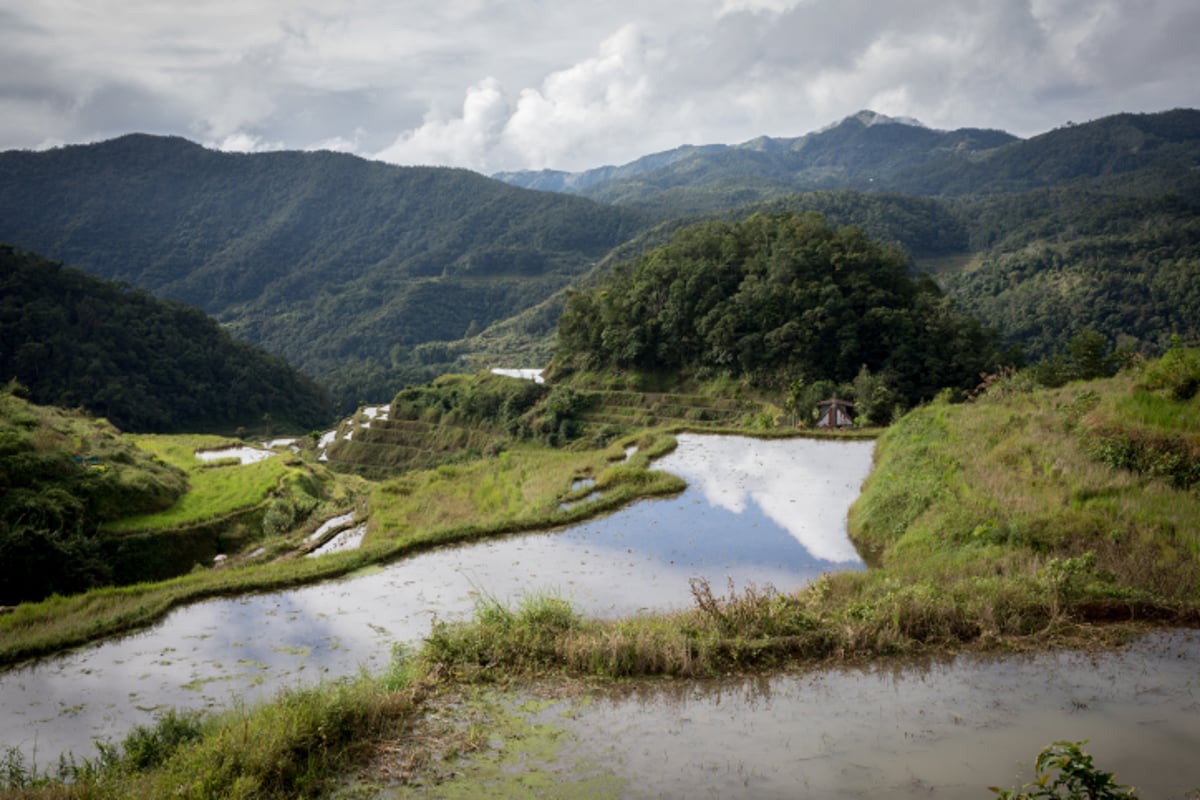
x,y
768,512
947,729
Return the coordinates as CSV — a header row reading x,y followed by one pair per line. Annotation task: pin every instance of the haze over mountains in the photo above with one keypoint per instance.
x,y
369,276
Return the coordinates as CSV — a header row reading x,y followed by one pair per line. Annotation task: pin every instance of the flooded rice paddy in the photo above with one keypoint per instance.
x,y
946,729
243,454
768,512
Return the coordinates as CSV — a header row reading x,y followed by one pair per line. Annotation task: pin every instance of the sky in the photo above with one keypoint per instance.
x,y
494,85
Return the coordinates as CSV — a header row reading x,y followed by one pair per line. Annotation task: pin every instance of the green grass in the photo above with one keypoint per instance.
x,y
215,490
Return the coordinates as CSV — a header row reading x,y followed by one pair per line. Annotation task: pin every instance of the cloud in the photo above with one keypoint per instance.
x,y
242,142
574,83
574,115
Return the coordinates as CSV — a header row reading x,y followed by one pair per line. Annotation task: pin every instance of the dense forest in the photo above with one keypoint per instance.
x,y
343,266
144,364
781,299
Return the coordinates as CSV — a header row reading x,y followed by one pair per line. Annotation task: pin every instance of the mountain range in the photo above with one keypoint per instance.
x,y
872,152
370,276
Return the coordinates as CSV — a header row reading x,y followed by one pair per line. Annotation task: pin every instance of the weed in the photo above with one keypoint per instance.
x,y
1064,771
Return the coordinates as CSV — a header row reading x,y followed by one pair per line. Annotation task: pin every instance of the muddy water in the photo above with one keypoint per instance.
x,y
768,512
945,730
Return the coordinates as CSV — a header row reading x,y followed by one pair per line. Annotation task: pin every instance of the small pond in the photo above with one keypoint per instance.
x,y
768,512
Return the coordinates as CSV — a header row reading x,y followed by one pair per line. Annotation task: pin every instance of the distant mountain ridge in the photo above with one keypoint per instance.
x,y
871,152
860,147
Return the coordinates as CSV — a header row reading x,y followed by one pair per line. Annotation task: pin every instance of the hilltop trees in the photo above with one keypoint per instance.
x,y
776,298
144,364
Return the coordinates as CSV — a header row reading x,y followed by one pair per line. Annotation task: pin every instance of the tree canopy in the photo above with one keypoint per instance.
x,y
776,298
142,363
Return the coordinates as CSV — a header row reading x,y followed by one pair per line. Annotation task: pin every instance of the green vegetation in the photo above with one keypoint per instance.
x,y
372,277
142,363
457,418
84,506
62,475
344,266
997,524
216,489
288,748
1040,507
515,491
775,299
1066,772
899,158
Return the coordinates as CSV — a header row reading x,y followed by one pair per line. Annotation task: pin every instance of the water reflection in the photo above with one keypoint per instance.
x,y
245,454
218,652
948,729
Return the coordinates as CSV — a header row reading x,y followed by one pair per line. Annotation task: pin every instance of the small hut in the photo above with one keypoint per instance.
x,y
834,413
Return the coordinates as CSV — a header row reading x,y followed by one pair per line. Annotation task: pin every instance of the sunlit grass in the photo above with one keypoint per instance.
x,y
214,490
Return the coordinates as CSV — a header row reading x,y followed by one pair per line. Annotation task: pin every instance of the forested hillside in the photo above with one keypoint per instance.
x,y
1060,261
142,363
341,265
784,300
372,277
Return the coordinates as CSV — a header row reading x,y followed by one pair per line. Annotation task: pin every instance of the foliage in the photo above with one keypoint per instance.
x,y
1064,770
342,265
144,364
1177,372
519,489
62,475
772,298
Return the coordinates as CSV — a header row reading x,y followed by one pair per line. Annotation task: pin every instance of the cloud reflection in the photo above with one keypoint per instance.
x,y
805,486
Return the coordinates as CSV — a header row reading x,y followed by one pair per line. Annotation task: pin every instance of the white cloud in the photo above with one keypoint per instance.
x,y
242,142
574,83
466,140
574,115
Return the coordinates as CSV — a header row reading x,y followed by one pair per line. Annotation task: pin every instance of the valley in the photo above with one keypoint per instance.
x,y
317,544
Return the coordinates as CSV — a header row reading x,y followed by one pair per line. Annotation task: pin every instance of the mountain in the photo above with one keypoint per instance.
x,y
344,266
144,364
854,153
871,152
371,276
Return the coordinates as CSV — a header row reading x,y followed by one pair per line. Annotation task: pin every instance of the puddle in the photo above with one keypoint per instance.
x,y
534,375
349,539
768,512
377,412
947,730
330,524
244,454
